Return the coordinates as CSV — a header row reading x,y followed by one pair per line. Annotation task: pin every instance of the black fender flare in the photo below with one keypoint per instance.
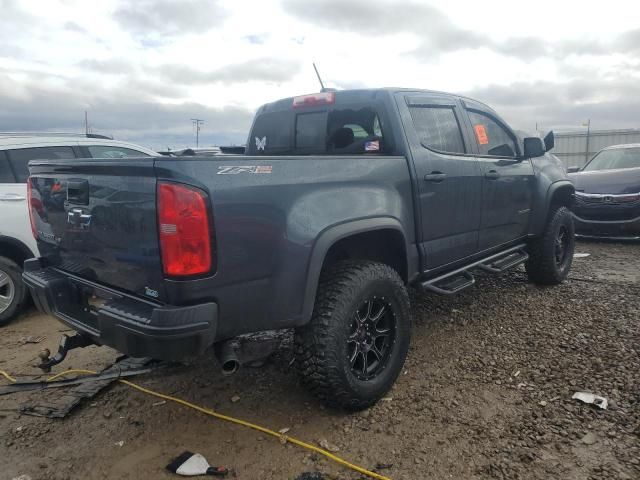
x,y
543,215
327,238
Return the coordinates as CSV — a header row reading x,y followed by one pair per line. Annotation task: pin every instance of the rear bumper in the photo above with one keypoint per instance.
x,y
133,326
614,229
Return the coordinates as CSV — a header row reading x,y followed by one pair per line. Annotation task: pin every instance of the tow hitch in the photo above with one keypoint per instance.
x,y
66,343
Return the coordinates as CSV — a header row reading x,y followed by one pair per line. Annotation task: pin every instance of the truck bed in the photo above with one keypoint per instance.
x,y
99,223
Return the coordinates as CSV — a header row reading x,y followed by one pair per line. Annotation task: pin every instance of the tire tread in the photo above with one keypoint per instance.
x,y
316,344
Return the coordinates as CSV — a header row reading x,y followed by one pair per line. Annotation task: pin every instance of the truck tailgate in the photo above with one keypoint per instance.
x,y
97,219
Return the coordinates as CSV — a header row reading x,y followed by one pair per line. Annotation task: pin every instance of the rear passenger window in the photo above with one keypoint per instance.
x,y
20,158
438,128
492,138
102,151
6,174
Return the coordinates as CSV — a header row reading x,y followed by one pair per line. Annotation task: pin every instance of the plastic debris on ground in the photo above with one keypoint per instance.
x,y
58,402
581,255
190,464
592,399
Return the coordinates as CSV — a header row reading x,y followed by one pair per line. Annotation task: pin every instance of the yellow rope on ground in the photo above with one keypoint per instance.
x,y
221,416
7,376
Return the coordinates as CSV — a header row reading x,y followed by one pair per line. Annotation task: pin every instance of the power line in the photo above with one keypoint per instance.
x,y
196,124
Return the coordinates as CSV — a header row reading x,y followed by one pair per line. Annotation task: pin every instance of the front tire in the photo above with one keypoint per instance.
x,y
354,347
551,254
12,291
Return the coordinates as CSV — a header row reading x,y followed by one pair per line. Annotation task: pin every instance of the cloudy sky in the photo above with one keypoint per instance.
x,y
143,68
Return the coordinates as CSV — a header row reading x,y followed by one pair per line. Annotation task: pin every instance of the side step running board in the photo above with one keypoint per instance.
x,y
461,278
505,263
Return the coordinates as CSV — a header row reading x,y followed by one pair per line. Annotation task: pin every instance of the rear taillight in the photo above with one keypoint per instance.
x,y
34,203
185,240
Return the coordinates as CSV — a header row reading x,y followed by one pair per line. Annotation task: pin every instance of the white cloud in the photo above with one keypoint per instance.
x,y
213,57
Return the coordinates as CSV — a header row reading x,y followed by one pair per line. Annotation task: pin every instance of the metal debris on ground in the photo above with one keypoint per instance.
x,y
581,255
592,399
59,405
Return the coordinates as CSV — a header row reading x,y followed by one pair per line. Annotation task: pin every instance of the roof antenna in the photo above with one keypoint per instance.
x,y
319,79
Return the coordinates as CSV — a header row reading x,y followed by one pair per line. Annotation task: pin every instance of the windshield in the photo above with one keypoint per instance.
x,y
614,159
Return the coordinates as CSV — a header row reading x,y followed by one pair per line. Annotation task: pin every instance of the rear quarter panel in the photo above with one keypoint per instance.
x,y
267,225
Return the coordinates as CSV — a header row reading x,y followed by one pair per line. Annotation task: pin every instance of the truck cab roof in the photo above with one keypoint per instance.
x,y
364,95
340,122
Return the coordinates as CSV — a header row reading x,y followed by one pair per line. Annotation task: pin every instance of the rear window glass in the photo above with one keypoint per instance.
x,y
438,128
102,151
310,130
339,131
20,158
354,130
271,134
6,174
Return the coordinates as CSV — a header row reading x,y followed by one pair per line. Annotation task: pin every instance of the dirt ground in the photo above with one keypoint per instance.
x,y
486,393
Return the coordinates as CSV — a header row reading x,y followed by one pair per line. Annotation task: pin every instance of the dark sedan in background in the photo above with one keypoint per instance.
x,y
607,198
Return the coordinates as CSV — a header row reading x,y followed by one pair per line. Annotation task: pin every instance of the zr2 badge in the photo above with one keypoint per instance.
x,y
235,169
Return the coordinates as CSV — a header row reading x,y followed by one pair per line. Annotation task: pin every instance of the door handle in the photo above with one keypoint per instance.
x,y
435,177
492,175
12,197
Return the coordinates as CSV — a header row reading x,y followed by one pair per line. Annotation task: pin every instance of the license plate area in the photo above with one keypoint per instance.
x,y
81,303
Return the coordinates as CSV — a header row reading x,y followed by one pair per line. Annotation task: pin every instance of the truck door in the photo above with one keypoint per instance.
x,y
508,180
448,177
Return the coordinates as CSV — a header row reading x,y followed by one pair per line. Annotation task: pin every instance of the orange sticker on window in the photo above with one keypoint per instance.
x,y
481,134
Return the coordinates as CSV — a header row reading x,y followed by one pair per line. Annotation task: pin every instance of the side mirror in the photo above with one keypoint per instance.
x,y
549,141
533,147
573,169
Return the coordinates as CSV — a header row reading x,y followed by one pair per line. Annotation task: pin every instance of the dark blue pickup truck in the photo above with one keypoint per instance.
x,y
342,200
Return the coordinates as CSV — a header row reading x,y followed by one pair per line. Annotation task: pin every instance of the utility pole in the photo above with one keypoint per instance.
x,y
86,123
586,152
196,123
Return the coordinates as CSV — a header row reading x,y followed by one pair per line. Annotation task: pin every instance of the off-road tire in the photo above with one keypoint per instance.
x,y
14,272
543,266
321,346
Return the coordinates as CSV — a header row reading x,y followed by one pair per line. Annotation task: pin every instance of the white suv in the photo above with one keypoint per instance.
x,y
16,240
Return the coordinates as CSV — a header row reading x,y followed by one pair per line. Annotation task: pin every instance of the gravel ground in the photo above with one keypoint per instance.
x,y
486,393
